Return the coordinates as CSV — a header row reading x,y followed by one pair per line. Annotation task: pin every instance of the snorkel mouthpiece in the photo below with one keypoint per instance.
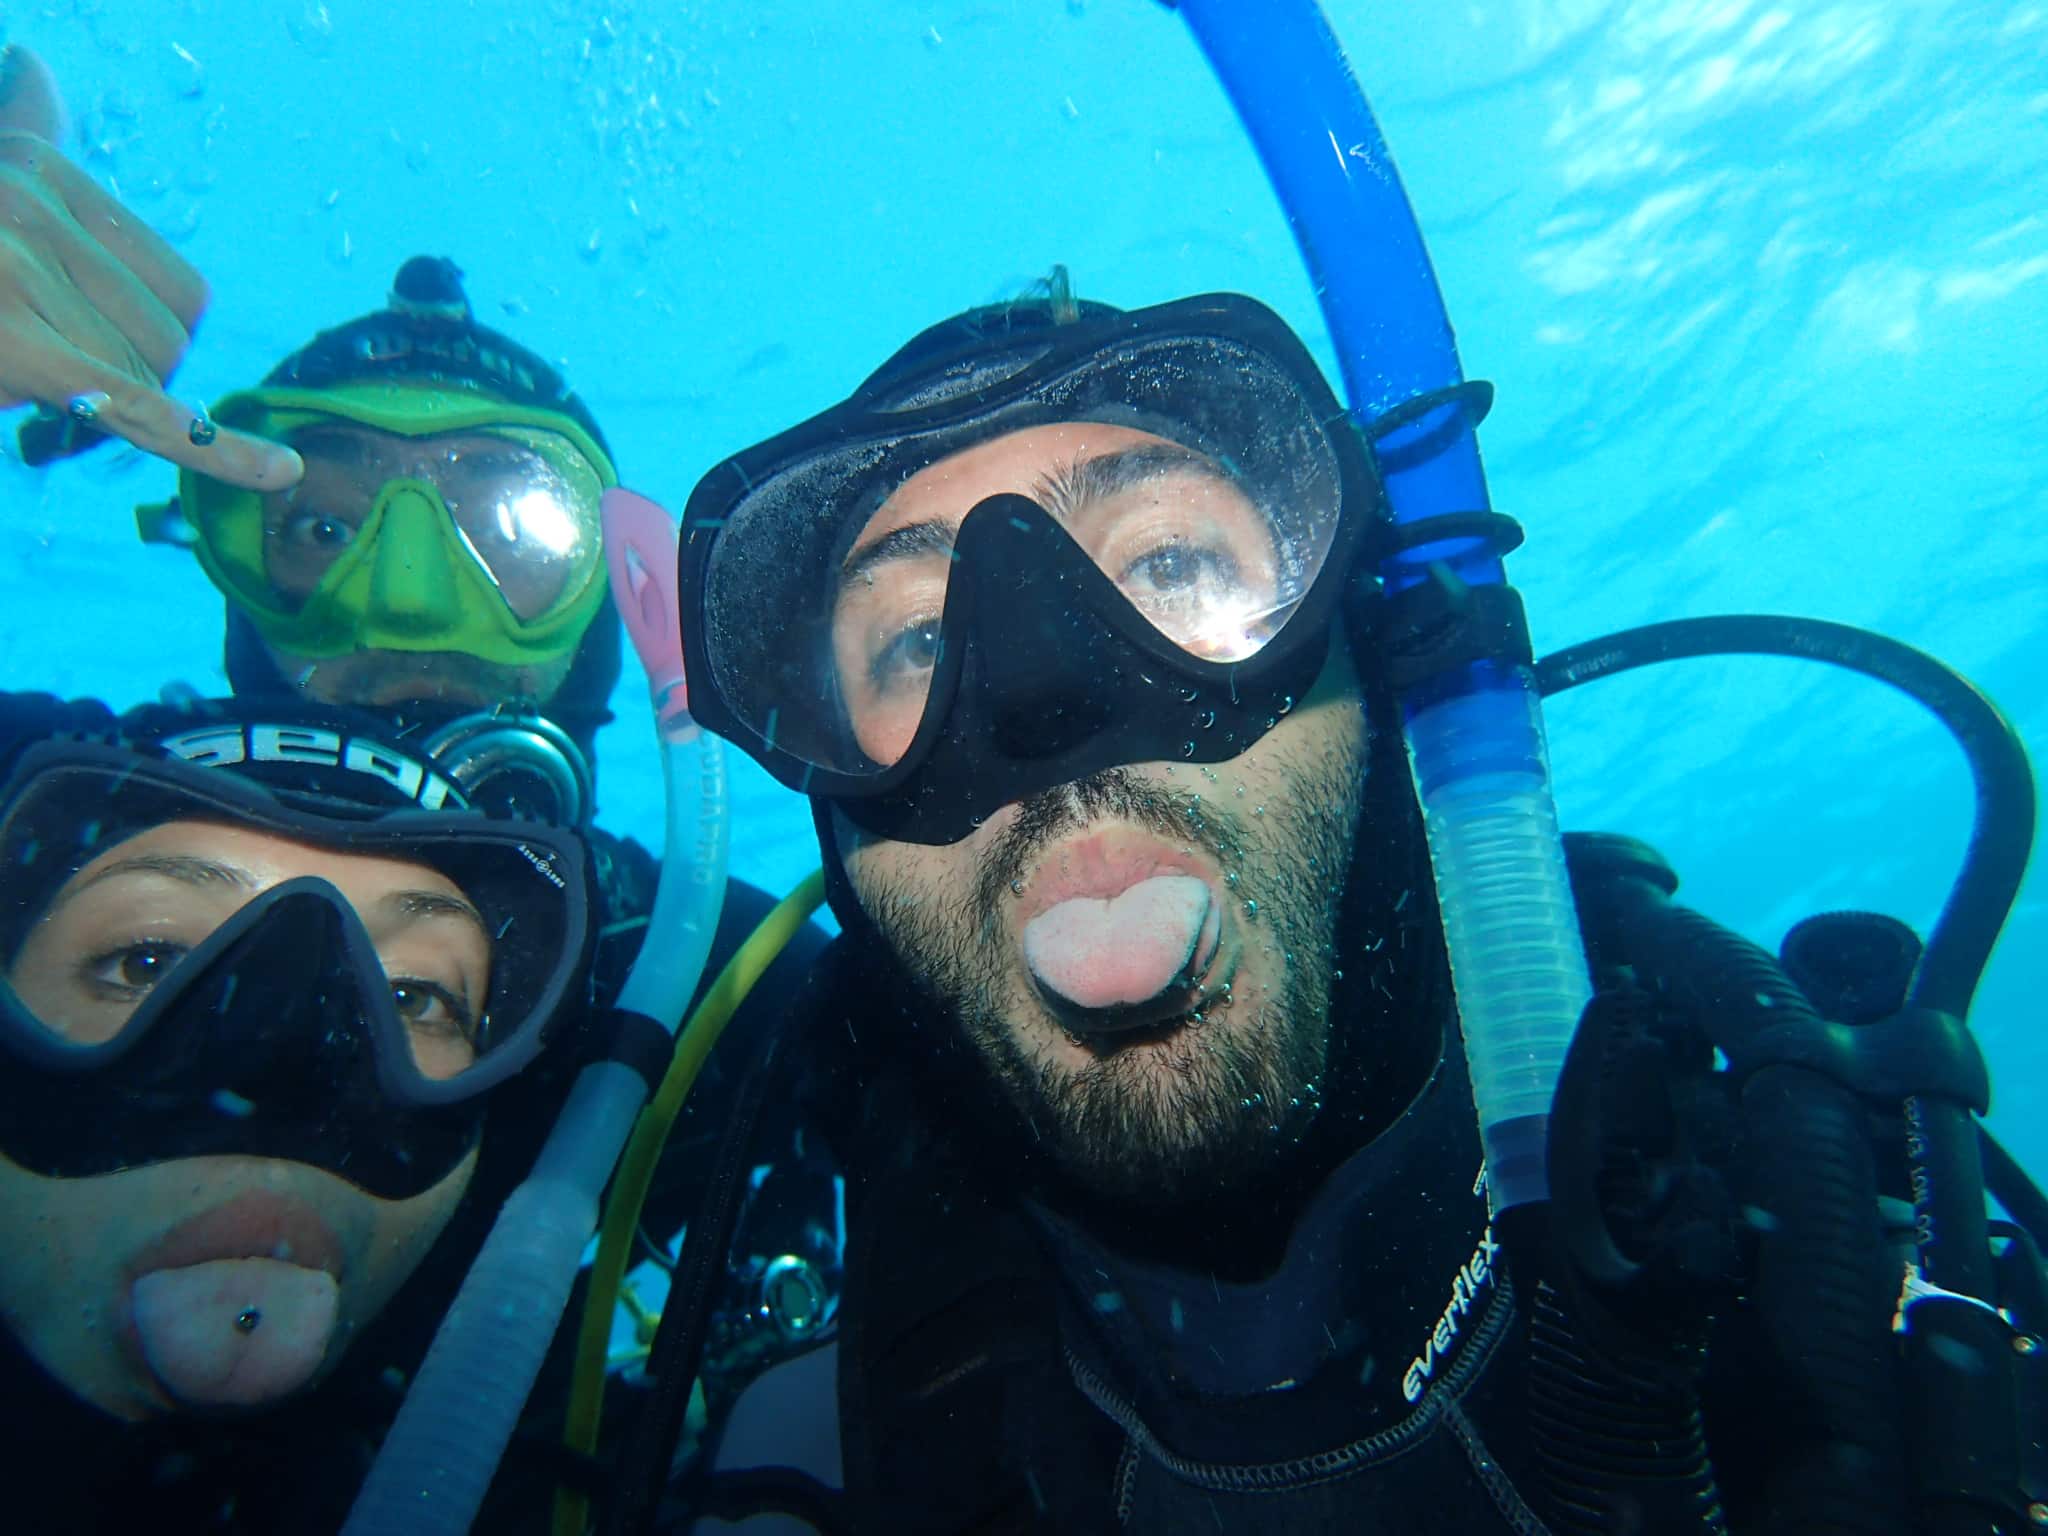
x,y
640,554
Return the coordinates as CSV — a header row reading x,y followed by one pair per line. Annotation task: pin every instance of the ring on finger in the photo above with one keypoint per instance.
x,y
86,406
201,431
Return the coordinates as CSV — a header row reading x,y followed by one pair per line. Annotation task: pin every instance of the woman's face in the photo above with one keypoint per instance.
x,y
220,1282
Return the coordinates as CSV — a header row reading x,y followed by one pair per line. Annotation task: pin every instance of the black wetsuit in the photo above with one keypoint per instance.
x,y
1011,1359
1341,1348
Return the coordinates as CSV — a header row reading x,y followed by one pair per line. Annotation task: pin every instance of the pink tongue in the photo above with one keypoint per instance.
x,y
235,1331
1128,949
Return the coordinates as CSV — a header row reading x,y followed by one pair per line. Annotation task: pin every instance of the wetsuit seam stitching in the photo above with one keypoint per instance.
x,y
1507,1498
1323,1466
1127,1479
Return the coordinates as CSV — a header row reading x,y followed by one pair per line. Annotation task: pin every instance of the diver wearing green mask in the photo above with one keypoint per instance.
x,y
441,553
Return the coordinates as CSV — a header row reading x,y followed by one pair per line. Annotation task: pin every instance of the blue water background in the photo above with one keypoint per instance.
x,y
1764,290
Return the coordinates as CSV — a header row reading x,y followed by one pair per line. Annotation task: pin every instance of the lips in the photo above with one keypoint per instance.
x,y
257,1224
1119,933
263,1257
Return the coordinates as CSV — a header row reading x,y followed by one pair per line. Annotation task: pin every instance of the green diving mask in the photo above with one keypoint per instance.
x,y
426,521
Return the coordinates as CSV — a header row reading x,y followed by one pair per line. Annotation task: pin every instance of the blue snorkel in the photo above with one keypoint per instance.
x,y
1473,720
459,1415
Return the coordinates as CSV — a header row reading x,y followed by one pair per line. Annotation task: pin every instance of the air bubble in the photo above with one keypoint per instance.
x,y
187,75
1286,703
1206,719
1187,749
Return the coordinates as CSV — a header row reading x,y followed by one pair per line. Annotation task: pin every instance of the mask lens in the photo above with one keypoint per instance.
x,y
129,890
1193,471
523,503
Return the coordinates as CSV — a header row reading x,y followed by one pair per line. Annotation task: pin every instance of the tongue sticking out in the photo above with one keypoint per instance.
x,y
1101,962
235,1332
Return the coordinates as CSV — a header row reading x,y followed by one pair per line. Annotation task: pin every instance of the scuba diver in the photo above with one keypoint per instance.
x,y
283,1018
1166,1200
403,516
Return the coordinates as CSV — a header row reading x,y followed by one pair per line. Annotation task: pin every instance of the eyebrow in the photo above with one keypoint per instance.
x,y
1065,493
186,869
1075,486
330,444
183,868
910,542
414,906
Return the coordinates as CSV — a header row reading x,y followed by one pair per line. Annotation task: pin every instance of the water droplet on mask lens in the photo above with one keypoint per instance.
x,y
1187,749
1230,877
1016,887
1251,908
1271,721
1286,702
1187,695
1206,719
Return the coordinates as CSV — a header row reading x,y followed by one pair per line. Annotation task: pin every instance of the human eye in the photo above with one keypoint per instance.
x,y
1178,568
316,532
314,524
127,972
909,653
427,1007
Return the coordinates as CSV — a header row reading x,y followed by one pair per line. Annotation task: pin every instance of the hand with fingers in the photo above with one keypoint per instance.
x,y
96,309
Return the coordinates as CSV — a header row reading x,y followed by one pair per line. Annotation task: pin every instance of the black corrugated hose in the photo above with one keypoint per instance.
x,y
1822,1292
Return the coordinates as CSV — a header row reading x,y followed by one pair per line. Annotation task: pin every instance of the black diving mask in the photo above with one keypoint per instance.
x,y
1154,578
168,996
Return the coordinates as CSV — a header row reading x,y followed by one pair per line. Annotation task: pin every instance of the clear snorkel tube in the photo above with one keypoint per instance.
x,y
1475,729
458,1417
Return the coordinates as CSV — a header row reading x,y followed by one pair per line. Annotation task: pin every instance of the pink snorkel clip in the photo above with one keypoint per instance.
x,y
640,541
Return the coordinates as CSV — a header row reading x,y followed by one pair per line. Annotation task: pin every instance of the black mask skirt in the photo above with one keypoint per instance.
x,y
145,1026
1166,598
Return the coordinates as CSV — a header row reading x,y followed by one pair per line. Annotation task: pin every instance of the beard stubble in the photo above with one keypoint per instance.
x,y
1206,1103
